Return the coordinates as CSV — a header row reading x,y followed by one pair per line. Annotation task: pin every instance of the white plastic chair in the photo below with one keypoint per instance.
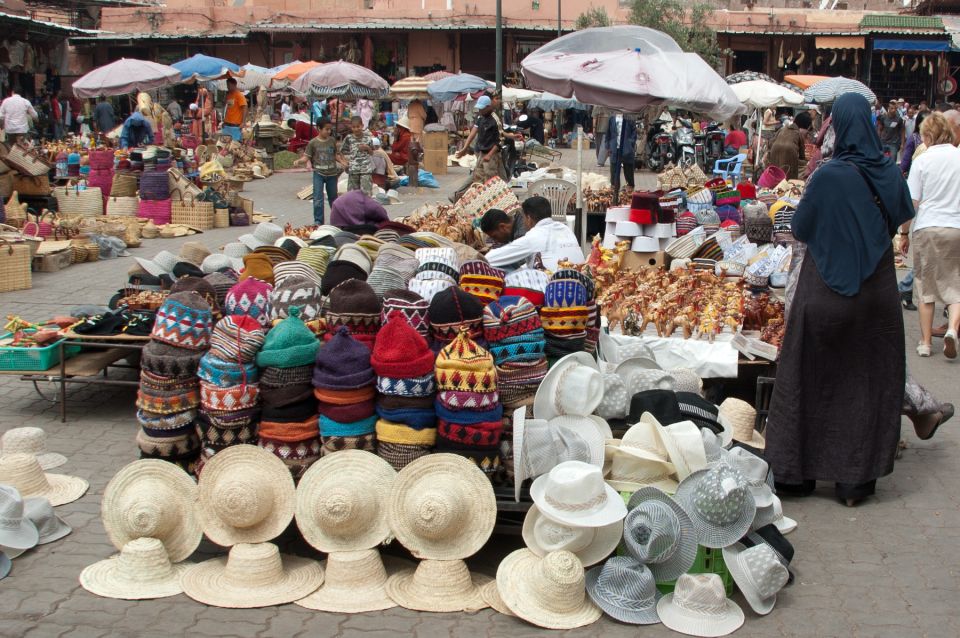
x,y
559,193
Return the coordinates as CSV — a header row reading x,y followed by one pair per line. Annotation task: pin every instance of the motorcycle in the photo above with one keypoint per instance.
x,y
714,145
511,151
660,149
684,144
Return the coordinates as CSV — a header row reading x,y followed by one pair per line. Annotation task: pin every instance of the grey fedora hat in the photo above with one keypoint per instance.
x,y
719,503
625,589
659,533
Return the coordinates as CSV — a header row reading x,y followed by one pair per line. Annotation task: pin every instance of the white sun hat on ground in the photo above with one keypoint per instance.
x,y
548,592
30,440
23,472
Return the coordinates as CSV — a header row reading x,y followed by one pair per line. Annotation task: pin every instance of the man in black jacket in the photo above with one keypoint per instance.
x,y
621,144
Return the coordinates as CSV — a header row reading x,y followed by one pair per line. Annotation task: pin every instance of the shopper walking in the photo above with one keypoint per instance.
x,y
835,411
787,149
326,164
935,189
621,145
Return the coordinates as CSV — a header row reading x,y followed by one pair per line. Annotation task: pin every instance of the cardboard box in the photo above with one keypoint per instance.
x,y
436,141
52,262
435,161
635,261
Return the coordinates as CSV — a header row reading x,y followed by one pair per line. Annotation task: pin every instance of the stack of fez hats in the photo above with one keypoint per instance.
x,y
404,365
250,297
413,308
565,316
451,311
593,313
516,339
288,422
229,389
345,387
355,306
437,270
469,413
169,393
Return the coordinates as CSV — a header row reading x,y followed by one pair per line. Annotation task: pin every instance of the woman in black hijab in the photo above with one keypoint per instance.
x,y
835,411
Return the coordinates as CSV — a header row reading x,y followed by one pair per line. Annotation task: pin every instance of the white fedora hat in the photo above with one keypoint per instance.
x,y
252,575
575,493
644,440
756,471
784,523
155,499
341,501
548,592
141,571
30,440
245,495
442,586
573,385
684,447
719,504
50,526
263,235
442,507
699,606
628,473
713,447
23,472
590,544
354,582
625,590
659,533
17,532
161,264
758,573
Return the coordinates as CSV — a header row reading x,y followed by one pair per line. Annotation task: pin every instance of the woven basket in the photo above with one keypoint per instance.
x,y
155,185
122,206
191,212
672,178
178,183
124,185
27,162
15,214
15,261
73,201
221,217
78,253
156,210
27,185
149,230
100,160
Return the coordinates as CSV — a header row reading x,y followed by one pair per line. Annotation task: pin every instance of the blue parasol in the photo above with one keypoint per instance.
x,y
451,88
204,67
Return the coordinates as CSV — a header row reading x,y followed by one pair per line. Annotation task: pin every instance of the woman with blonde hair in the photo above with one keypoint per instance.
x,y
935,190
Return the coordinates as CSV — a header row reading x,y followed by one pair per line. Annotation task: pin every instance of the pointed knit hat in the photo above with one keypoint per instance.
x,y
343,364
464,365
289,344
400,352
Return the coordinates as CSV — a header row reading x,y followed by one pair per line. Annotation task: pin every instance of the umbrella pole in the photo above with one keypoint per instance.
x,y
756,158
580,210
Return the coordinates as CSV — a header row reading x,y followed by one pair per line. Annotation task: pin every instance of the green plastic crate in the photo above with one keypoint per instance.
x,y
33,359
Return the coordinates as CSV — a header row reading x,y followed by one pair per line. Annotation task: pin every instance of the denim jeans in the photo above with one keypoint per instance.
x,y
319,183
906,284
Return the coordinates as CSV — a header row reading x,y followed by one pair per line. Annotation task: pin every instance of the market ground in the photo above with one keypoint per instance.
x,y
885,568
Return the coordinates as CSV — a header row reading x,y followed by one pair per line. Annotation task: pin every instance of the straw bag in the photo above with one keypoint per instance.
x,y
73,201
190,212
122,206
154,185
157,210
27,185
27,161
180,184
672,178
695,175
14,266
221,217
16,213
42,226
14,235
124,185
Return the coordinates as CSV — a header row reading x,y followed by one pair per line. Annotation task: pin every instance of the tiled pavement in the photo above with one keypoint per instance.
x,y
885,568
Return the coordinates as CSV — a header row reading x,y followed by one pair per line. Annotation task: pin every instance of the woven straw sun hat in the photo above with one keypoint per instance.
x,y
441,586
23,472
245,495
491,596
30,440
154,499
252,575
742,416
442,507
548,592
354,582
142,570
341,501
591,545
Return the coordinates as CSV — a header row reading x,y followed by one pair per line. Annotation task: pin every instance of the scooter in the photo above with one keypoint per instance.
x,y
511,151
684,144
660,149
714,145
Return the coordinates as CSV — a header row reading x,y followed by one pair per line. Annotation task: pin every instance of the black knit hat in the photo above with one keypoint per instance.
x,y
454,305
339,271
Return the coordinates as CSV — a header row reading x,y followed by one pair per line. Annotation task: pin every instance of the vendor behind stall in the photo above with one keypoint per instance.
x,y
501,227
400,149
303,132
552,240
357,209
136,131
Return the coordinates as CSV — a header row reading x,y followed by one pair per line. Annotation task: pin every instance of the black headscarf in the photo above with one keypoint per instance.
x,y
845,231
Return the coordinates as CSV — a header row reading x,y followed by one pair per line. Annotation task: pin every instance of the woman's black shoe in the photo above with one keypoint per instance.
x,y
906,300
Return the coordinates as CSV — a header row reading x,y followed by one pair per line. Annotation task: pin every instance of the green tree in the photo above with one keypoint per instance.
x,y
593,17
687,24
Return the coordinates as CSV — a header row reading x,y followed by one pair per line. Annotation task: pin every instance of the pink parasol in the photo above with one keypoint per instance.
x,y
341,79
125,76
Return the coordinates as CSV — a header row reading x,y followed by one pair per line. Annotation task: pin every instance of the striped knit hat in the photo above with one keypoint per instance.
x,y
481,280
513,330
565,274
237,338
686,222
437,263
528,283
317,257
250,297
355,305
295,290
464,366
428,288
184,320
356,255
450,311
222,282
289,268
394,267
414,309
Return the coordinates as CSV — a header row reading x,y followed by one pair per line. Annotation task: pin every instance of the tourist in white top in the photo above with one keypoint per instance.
x,y
552,240
935,189
16,113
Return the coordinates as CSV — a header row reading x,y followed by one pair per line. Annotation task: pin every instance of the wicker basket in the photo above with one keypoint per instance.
x,y
15,261
73,201
190,212
27,162
221,217
27,185
124,185
154,185
123,206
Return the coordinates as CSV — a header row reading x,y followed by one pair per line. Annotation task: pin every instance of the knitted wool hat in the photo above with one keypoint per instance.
x,y
289,344
414,309
257,266
222,282
513,330
565,274
296,290
437,263
400,351
317,257
339,271
453,309
528,283
481,280
747,190
343,364
370,244
274,254
395,266
465,366
428,288
355,305
686,222
184,320
289,268
563,293
355,254
201,287
169,361
250,297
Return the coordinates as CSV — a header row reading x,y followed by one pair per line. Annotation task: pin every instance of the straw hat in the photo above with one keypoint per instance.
x,y
252,575
193,252
742,417
548,592
142,570
354,582
442,586
23,472
245,495
152,498
491,596
590,544
699,606
29,440
341,501
442,507
628,473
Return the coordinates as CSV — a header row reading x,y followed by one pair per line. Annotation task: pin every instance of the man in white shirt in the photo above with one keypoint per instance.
x,y
16,113
552,240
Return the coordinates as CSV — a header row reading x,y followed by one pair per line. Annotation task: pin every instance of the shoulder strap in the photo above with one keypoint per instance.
x,y
891,227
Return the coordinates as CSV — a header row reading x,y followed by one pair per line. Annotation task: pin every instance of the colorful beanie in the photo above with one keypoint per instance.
x,y
414,309
355,305
184,320
513,330
400,351
686,222
464,366
528,283
295,290
481,280
452,310
250,297
343,364
289,344
437,263
317,257
237,338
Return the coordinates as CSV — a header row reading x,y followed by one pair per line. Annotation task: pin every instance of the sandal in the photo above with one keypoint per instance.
x,y
944,415
923,349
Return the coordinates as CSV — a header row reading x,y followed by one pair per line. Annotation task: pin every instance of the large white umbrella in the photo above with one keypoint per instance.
x,y
341,79
126,75
760,94
827,91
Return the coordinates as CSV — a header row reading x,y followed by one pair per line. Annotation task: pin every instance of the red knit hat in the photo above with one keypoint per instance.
x,y
645,207
747,190
400,352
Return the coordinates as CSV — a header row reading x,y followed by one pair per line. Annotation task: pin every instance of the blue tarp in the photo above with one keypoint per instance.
x,y
911,45
204,67
454,86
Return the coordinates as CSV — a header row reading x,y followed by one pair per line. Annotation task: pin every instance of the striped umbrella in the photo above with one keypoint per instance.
x,y
411,88
827,91
437,75
341,79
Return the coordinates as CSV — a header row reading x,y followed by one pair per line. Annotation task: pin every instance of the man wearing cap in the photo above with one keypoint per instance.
x,y
552,240
488,143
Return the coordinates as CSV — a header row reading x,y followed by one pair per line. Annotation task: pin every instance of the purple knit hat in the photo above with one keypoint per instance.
x,y
250,297
343,364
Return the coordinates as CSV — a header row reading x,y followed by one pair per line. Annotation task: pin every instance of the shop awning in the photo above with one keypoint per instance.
x,y
840,42
911,45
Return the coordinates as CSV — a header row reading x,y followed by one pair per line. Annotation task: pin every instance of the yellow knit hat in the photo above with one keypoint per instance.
x,y
464,365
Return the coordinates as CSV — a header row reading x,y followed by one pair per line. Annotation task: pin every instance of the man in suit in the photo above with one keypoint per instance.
x,y
621,145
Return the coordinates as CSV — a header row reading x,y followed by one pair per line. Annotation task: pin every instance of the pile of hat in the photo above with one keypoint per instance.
x,y
345,386
567,313
288,421
438,269
169,394
354,305
395,265
229,386
250,297
452,311
295,284
404,365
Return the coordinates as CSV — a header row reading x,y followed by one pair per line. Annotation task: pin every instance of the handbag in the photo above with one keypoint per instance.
x,y
124,185
198,214
71,200
155,185
15,261
30,185
239,217
178,183
156,210
27,161
122,206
